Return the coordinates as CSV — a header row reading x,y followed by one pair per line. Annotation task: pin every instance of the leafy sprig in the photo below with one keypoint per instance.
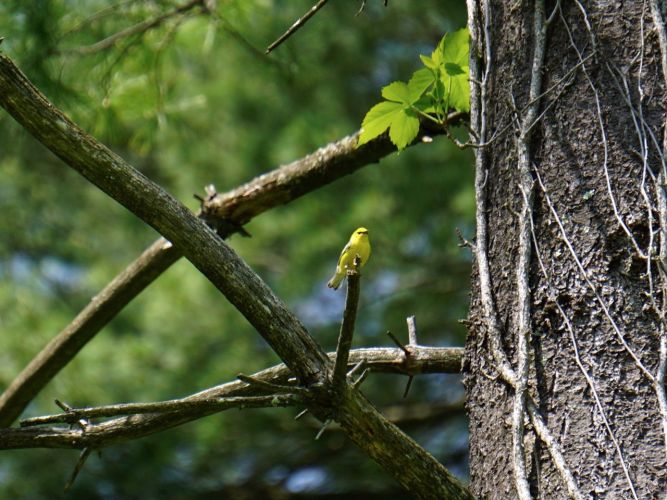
x,y
442,85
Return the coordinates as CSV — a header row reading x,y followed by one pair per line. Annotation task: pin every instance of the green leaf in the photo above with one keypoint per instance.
x,y
404,128
438,54
459,96
378,119
442,85
419,83
397,92
457,48
456,70
428,62
453,69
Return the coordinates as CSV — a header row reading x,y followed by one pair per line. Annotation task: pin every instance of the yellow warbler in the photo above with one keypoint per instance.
x,y
358,245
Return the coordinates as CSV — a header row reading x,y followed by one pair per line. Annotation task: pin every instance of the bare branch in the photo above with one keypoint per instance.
x,y
149,418
270,387
339,378
73,415
85,453
298,24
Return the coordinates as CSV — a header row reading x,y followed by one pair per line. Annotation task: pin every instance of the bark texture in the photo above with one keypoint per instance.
x,y
596,286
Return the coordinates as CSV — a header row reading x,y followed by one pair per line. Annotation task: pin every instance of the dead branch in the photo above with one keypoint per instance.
x,y
146,200
238,393
339,377
73,415
298,24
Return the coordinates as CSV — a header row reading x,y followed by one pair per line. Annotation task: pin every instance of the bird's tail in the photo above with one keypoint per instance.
x,y
335,280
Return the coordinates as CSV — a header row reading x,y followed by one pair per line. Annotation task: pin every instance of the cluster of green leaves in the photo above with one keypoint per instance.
x,y
441,86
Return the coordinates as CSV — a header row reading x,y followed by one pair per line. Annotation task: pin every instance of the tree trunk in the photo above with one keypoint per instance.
x,y
569,285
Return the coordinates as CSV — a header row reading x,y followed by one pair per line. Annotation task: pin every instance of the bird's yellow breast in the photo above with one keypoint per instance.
x,y
359,245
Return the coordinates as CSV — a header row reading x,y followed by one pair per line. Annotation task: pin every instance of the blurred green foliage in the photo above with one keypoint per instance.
x,y
190,102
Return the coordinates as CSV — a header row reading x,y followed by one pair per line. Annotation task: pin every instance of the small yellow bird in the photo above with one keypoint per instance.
x,y
358,245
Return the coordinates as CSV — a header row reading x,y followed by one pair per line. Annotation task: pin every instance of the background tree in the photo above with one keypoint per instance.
x,y
171,100
568,314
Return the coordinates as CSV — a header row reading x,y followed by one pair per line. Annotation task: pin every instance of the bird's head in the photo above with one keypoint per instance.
x,y
360,233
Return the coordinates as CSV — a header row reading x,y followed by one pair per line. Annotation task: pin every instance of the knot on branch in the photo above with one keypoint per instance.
x,y
223,226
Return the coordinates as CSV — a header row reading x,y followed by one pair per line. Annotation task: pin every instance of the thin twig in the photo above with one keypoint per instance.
x,y
322,429
398,343
412,330
85,453
96,16
301,414
271,387
412,336
298,24
463,242
361,378
175,405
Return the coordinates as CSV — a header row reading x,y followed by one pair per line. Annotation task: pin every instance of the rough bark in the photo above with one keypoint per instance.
x,y
596,308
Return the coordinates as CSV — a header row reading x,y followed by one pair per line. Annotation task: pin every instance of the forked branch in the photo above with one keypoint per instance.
x,y
406,461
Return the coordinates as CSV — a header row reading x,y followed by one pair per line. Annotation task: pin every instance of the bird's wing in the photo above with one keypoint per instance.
x,y
342,254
